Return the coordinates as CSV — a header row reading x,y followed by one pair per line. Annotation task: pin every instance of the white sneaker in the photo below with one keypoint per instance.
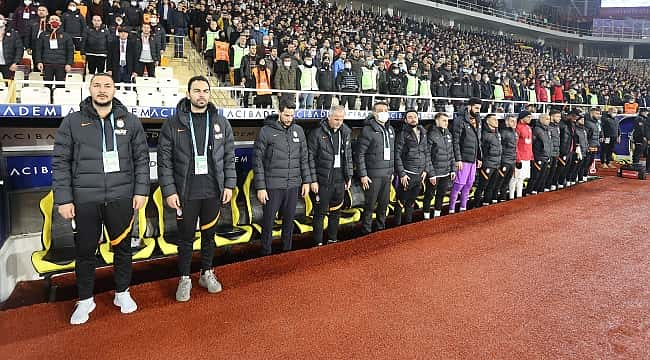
x,y
125,302
547,190
452,211
553,187
210,282
495,201
560,186
436,213
427,216
533,192
82,310
462,209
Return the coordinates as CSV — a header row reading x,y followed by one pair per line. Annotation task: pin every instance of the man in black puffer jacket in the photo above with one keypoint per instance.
x,y
568,147
281,168
611,136
196,172
96,46
12,49
492,150
592,124
330,164
554,129
542,149
443,164
509,139
54,51
412,164
467,151
74,25
576,173
100,172
375,164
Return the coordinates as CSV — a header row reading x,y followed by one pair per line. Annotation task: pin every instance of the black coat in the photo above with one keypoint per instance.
x,y
175,152
593,131
370,152
62,55
509,140
491,148
78,172
542,143
321,153
281,158
325,79
441,148
467,139
154,46
411,156
12,47
113,61
73,23
581,138
96,41
567,137
487,91
554,130
610,127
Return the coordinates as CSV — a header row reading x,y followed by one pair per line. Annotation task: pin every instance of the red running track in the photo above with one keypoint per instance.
x,y
563,275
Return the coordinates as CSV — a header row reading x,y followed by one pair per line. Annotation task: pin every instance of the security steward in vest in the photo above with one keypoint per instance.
x,y
281,171
330,164
375,162
100,171
639,135
196,172
412,164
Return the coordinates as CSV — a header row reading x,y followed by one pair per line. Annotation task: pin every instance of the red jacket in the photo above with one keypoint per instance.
x,y
524,142
542,95
557,95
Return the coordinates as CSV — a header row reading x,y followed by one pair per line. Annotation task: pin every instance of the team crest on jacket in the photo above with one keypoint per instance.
x,y
217,128
295,133
120,123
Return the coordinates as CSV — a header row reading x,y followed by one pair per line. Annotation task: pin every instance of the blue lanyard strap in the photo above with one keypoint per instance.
x,y
104,134
207,134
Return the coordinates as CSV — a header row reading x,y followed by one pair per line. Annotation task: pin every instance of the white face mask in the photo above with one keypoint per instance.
x,y
134,3
265,42
27,3
382,117
72,8
3,23
287,64
348,66
308,62
153,22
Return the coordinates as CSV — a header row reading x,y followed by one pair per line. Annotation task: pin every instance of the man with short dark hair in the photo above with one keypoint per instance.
x,y
54,51
96,189
592,125
554,130
441,149
492,150
196,171
467,151
542,148
611,136
281,168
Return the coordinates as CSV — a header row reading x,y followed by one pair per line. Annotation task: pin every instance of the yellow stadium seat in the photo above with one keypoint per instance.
x,y
145,247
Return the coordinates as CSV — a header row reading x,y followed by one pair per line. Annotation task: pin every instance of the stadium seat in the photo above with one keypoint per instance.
x,y
35,76
168,86
73,81
144,247
4,95
255,209
67,96
152,98
85,90
127,97
145,84
171,100
164,72
228,230
302,221
35,95
57,240
168,230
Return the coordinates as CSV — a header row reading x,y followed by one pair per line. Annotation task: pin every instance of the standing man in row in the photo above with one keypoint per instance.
x,y
467,151
524,154
281,171
567,147
375,164
443,164
54,51
492,150
330,163
196,172
100,177
509,139
412,164
611,137
554,130
592,124
542,148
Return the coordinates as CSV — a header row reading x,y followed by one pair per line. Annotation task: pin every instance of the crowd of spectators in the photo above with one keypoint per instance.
x,y
316,46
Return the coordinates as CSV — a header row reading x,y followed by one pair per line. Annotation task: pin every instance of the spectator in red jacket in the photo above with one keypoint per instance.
x,y
524,154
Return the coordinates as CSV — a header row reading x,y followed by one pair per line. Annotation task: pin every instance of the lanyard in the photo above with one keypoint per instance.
x,y
207,130
104,134
340,139
385,136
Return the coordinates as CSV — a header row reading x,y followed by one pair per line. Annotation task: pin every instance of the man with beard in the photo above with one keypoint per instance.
x,y
96,189
196,171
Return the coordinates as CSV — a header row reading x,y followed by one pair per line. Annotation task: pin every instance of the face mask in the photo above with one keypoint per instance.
x,y
265,42
262,65
153,22
55,24
235,22
287,64
370,63
3,23
72,8
308,62
412,72
118,21
27,3
348,66
134,3
382,117
395,71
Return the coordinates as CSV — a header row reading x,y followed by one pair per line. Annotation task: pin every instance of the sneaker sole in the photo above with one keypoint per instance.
x,y
92,308
125,311
211,292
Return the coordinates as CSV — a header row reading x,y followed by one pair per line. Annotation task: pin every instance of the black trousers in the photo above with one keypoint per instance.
x,y
377,195
553,172
350,100
639,150
574,169
117,217
588,161
394,103
367,101
439,190
502,181
151,68
606,151
485,188
207,210
283,200
329,201
53,72
564,166
324,102
96,64
6,74
406,199
539,171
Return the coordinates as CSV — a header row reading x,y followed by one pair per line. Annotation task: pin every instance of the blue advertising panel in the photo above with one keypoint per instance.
x,y
27,172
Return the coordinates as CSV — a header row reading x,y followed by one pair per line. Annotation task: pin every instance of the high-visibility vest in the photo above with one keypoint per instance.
x,y
411,85
210,36
630,108
532,95
425,88
593,99
262,81
239,53
222,51
498,92
368,79
308,78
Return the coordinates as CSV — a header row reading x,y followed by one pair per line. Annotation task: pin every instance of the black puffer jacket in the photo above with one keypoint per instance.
x,y
281,156
542,143
78,170
491,147
62,55
73,23
96,41
441,148
610,127
12,47
509,140
370,156
593,131
567,137
411,156
175,151
321,153
467,139
554,130
581,138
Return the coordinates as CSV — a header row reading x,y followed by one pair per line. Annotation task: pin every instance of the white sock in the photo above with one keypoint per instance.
x,y
427,216
436,213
